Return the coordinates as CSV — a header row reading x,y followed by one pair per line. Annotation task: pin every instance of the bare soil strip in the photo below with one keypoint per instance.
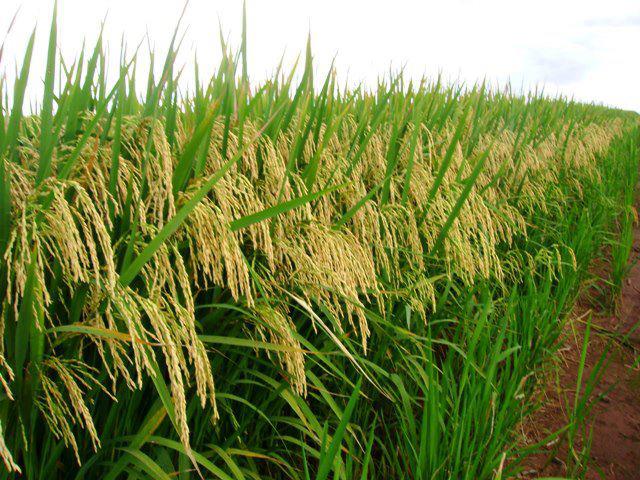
x,y
615,449
616,436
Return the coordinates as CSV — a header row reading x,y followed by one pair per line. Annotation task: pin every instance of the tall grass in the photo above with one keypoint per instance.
x,y
291,279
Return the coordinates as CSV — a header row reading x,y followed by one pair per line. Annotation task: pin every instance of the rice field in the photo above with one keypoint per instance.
x,y
292,279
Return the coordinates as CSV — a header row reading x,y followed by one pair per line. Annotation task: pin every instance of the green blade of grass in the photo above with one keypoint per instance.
x,y
328,458
185,164
11,136
283,207
46,117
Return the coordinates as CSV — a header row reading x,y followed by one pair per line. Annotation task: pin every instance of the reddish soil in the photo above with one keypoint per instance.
x,y
615,419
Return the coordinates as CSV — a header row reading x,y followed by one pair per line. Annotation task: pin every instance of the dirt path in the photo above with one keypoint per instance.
x,y
616,432
615,448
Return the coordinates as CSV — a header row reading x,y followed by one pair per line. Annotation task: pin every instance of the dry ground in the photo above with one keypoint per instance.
x,y
615,450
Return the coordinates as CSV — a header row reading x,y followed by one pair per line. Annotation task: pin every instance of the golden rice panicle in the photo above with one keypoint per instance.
x,y
216,257
236,197
17,257
194,346
419,292
5,366
248,164
114,351
174,330
274,168
71,230
6,456
160,199
331,266
95,184
275,326
165,335
124,306
401,239
21,180
62,403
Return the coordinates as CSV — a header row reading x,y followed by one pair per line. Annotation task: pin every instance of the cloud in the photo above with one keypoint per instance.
x,y
558,67
615,22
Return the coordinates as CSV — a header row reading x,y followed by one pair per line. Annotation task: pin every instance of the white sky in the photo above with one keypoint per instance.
x,y
581,48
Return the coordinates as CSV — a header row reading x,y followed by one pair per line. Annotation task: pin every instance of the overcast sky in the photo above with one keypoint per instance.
x,y
581,48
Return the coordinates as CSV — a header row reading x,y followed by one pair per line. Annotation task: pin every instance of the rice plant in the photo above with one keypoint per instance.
x,y
293,279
